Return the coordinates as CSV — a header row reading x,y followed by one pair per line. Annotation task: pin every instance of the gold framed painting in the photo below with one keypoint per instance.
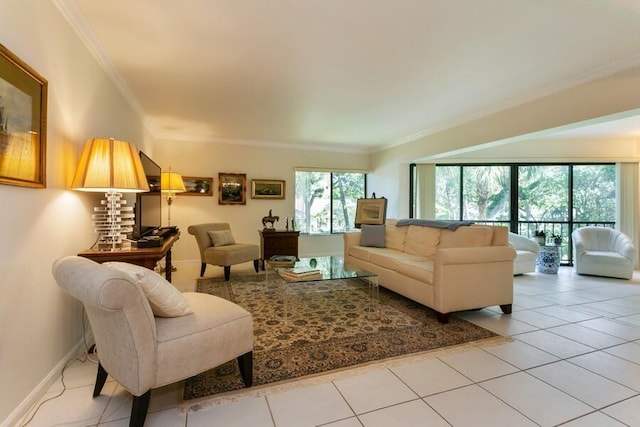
x,y
371,211
232,188
197,186
23,118
267,189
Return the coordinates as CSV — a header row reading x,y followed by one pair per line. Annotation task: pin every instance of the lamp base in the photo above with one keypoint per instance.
x,y
112,220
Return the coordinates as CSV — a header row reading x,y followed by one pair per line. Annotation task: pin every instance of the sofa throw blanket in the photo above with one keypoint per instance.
x,y
449,225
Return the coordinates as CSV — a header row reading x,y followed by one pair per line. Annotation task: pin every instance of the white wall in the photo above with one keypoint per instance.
x,y
203,159
39,325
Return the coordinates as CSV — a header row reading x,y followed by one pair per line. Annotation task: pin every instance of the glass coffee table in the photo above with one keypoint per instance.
x,y
333,275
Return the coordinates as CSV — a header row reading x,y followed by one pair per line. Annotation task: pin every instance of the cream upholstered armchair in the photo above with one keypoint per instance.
x,y
526,253
218,247
602,251
142,350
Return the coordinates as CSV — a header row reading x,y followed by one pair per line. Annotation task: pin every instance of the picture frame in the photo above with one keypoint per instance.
x,y
371,211
267,188
197,186
232,188
23,120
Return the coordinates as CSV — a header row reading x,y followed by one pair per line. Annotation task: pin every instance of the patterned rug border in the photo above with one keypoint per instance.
x,y
268,380
208,402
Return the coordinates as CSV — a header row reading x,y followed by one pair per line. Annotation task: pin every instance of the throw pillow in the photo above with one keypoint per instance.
x,y
372,235
164,299
221,238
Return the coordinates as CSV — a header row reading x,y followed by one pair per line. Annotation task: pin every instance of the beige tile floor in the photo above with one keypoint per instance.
x,y
574,360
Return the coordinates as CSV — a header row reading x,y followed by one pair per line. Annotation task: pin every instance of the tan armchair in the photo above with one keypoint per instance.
x,y
141,351
217,247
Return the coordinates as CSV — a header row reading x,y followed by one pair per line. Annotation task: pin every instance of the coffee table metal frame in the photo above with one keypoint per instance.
x,y
333,270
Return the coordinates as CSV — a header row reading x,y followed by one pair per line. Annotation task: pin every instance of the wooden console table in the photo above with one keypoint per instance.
x,y
146,257
277,242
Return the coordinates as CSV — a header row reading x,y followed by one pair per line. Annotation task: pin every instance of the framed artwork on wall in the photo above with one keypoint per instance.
x,y
197,186
267,189
232,188
23,119
371,211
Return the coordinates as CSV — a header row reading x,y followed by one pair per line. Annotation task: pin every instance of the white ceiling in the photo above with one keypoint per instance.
x,y
361,74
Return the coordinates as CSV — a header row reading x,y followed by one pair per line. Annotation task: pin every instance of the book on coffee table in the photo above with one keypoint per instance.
x,y
300,273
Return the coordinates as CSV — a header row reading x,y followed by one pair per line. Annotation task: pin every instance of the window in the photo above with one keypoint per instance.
x,y
326,201
556,198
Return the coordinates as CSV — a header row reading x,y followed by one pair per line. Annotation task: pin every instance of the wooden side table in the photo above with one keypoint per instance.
x,y
277,242
146,257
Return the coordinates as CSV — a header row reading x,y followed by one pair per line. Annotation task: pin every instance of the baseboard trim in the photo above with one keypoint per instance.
x,y
36,394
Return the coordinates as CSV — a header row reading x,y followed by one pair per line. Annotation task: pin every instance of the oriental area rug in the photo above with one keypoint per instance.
x,y
330,326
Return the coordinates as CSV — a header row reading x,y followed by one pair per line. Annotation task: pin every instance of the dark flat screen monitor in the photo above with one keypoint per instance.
x,y
148,206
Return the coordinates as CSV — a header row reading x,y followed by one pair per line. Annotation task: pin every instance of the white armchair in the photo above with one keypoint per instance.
x,y
142,351
526,253
601,251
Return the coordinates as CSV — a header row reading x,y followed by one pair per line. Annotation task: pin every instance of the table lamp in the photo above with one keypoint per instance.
x,y
112,167
170,184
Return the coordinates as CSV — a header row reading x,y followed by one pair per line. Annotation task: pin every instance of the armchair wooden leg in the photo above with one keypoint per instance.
x,y
203,267
100,380
256,265
245,363
227,272
139,409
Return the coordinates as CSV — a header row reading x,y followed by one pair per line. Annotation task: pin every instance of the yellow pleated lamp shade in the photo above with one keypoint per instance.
x,y
110,165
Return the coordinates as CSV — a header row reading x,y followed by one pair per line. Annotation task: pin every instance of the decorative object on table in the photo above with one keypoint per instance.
x,y
197,186
406,328
232,188
313,262
548,260
371,211
269,221
113,167
557,239
267,189
170,184
540,236
23,123
286,223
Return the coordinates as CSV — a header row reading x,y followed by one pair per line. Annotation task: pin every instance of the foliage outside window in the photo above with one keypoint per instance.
x,y
555,198
326,201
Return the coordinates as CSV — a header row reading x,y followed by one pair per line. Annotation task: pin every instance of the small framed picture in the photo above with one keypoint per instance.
x,y
371,211
232,188
267,189
197,186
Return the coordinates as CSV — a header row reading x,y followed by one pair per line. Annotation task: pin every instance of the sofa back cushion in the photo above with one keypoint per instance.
x,y
421,240
472,236
394,237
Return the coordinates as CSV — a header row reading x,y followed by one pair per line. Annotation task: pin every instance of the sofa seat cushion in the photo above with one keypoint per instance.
x,y
421,270
603,257
390,259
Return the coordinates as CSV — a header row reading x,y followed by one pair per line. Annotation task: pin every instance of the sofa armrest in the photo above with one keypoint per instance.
x,y
350,239
524,244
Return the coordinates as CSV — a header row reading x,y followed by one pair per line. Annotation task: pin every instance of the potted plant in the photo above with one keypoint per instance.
x,y
557,239
540,236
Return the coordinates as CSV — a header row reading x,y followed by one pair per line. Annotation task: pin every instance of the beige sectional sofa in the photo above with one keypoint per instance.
x,y
469,268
